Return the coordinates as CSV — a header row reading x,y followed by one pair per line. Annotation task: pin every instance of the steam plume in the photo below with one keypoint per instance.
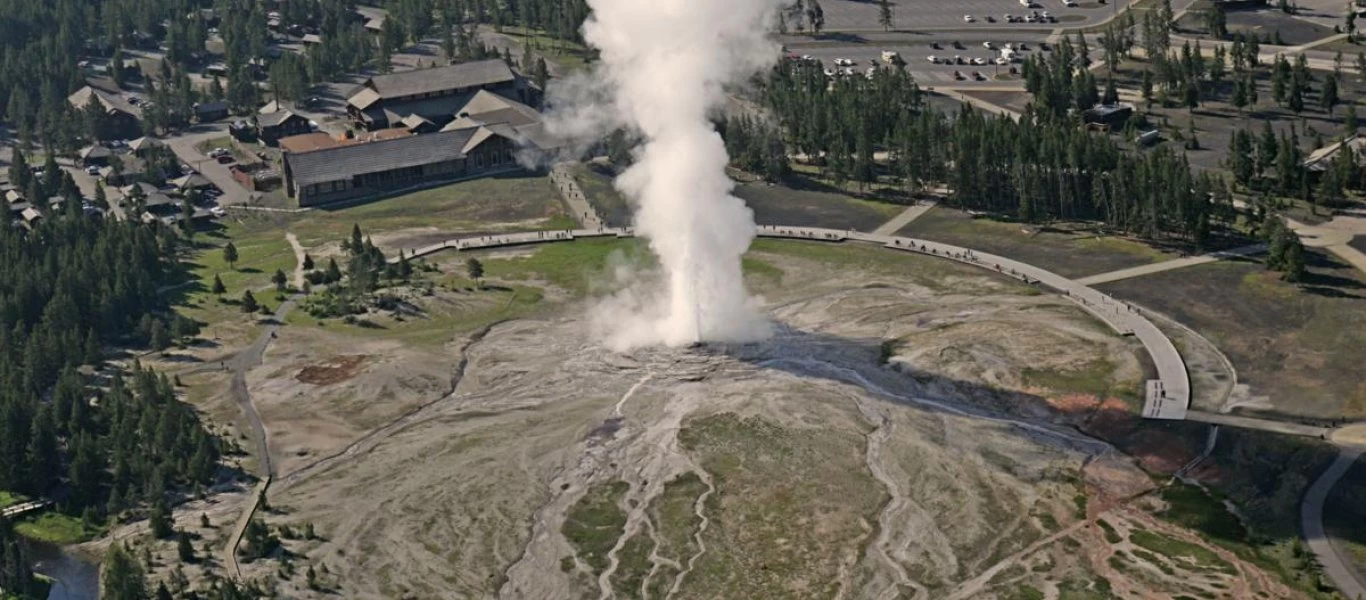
x,y
665,66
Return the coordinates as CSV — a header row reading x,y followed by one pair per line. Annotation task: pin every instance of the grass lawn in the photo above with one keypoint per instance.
x,y
513,202
1068,250
567,54
10,498
576,266
933,273
55,528
440,321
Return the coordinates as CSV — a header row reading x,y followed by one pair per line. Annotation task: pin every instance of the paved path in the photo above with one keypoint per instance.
x,y
569,189
241,363
1335,565
1272,425
1168,265
1167,397
910,214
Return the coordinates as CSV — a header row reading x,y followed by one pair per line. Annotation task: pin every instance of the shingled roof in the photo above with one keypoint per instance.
x,y
345,162
423,81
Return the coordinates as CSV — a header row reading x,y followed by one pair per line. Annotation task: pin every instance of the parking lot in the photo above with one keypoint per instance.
x,y
849,15
916,55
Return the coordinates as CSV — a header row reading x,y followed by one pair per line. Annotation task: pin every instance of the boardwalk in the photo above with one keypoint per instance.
x,y
24,508
1167,398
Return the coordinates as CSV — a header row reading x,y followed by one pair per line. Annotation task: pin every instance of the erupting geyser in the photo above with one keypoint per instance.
x,y
665,66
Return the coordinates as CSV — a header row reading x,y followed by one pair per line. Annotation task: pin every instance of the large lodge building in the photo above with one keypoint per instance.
x,y
447,123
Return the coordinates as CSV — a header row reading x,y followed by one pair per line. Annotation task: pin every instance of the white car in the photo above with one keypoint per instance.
x,y
1009,46
1045,15
979,61
847,71
988,45
217,211
933,59
871,72
843,62
969,19
1069,3
1001,60
829,72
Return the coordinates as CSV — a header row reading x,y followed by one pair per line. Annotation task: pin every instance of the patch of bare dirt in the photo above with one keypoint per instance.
x,y
335,370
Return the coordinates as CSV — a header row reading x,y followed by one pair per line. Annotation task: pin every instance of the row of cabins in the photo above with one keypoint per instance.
x,y
419,127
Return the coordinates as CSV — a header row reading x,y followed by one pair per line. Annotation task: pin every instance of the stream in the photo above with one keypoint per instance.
x,y
73,578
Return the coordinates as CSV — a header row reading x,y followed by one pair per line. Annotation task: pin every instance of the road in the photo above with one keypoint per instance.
x,y
184,148
1168,265
1337,567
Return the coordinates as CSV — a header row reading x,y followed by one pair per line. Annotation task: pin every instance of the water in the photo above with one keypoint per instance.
x,y
73,578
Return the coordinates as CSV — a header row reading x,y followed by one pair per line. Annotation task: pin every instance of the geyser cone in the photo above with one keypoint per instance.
x,y
666,64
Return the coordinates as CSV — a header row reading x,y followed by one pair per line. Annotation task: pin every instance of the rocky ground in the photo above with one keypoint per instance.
x,y
894,439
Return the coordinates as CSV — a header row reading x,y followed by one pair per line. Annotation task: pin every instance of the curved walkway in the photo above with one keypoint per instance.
x,y
1167,397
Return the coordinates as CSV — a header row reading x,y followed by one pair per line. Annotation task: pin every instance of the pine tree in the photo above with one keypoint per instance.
x,y
122,578
218,288
475,270
1293,264
160,522
249,302
229,253
1328,97
308,262
184,549
885,15
279,279
333,272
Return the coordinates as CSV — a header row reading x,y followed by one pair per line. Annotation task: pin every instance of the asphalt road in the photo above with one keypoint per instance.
x,y
1338,568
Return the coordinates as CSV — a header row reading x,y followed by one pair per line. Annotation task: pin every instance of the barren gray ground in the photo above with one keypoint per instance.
x,y
821,463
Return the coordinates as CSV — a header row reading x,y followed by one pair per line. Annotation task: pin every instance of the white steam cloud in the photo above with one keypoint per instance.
x,y
664,70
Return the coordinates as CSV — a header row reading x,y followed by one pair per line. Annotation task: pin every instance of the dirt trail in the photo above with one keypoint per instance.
x,y
298,259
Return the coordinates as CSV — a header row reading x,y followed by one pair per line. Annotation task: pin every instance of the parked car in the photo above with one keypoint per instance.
x,y
936,45
933,59
978,76
988,45
969,19
92,170
958,75
979,61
